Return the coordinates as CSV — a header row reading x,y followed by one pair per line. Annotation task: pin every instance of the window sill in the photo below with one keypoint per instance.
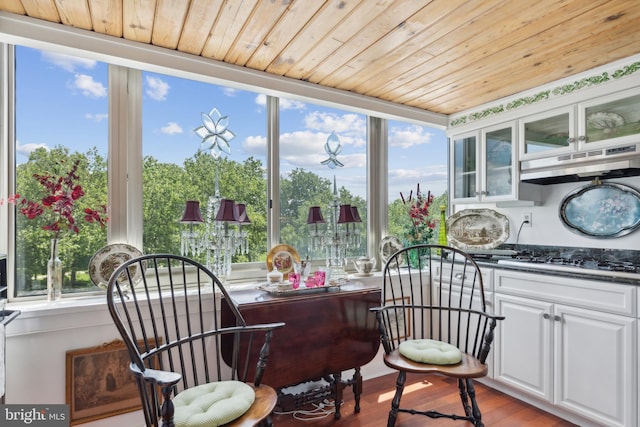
x,y
91,310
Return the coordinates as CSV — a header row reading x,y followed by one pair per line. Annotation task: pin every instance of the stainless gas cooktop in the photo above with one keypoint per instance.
x,y
601,268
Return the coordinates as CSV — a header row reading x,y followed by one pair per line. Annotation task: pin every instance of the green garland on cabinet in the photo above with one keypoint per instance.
x,y
547,94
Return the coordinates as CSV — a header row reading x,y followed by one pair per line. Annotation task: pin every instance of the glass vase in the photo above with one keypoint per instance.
x,y
54,274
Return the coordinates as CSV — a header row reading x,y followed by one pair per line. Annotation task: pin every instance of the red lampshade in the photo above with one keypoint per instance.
x,y
241,213
227,211
192,212
315,216
355,214
346,215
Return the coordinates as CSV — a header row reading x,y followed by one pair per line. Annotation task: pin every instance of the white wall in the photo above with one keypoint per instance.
x,y
36,346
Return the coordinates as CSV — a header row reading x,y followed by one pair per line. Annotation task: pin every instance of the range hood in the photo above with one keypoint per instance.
x,y
605,163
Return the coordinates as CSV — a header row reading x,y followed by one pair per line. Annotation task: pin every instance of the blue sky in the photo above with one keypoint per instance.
x,y
63,100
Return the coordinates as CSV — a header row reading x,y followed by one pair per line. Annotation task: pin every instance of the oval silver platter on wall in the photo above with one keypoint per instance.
x,y
602,210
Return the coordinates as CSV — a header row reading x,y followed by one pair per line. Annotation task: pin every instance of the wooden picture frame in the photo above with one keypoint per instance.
x,y
99,383
402,318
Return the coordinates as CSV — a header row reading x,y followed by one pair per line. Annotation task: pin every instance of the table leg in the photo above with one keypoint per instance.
x,y
337,386
357,388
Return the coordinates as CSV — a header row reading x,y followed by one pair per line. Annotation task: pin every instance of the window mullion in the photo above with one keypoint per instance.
x,y
377,182
125,156
273,171
7,153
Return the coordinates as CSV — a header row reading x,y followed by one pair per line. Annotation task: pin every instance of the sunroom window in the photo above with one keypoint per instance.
x,y
182,164
417,161
60,117
322,149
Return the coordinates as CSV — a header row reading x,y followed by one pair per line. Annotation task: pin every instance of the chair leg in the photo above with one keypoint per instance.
x,y
395,403
477,416
468,394
167,410
464,397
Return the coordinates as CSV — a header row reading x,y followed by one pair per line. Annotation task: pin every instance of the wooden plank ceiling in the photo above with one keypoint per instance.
x,y
440,55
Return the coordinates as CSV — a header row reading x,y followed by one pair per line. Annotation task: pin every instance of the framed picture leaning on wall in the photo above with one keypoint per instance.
x,y
99,383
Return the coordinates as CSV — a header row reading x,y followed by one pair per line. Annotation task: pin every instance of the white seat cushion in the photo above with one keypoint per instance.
x,y
212,404
430,351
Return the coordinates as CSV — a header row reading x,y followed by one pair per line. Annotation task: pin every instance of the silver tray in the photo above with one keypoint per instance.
x,y
275,291
602,210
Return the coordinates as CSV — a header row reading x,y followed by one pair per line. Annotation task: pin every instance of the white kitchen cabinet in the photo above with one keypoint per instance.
x,y
575,348
523,354
603,122
484,166
593,364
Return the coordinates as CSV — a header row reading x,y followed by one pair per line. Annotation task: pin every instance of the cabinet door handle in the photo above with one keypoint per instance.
x,y
546,316
459,276
557,318
571,140
582,138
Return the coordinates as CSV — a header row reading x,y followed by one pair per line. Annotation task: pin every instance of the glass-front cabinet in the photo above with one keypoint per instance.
x,y
465,166
611,120
549,133
483,164
603,122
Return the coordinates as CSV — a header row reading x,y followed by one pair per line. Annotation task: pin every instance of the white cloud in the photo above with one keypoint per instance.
x,y
291,104
254,145
96,117
261,100
409,136
171,128
26,149
88,86
157,88
342,124
229,92
431,178
66,62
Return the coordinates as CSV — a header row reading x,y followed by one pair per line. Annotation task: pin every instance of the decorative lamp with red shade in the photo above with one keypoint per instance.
x,y
313,219
227,211
346,215
192,212
222,236
315,216
189,241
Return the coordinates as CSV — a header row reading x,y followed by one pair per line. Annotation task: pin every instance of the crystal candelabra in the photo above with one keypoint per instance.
x,y
218,242
340,236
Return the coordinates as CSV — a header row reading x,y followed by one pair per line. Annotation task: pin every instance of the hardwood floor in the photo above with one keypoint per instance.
x,y
498,409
